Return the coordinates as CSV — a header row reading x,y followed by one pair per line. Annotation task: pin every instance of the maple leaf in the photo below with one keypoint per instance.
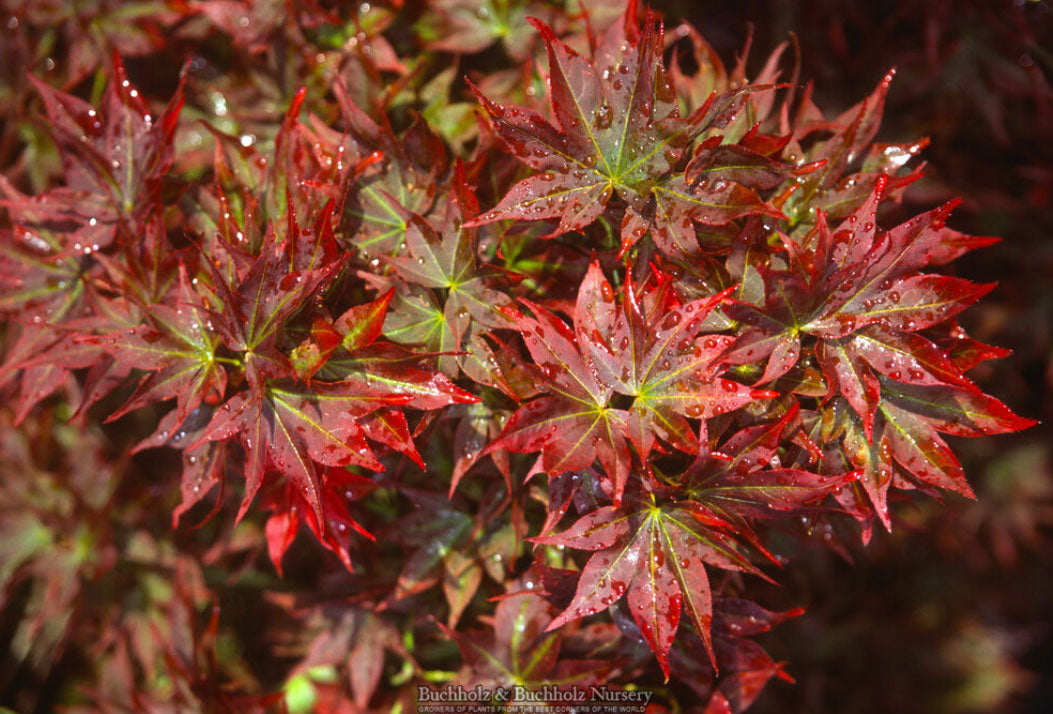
x,y
748,481
665,368
135,29
357,328
915,414
857,292
465,26
289,428
278,284
842,281
49,475
115,159
451,545
744,667
355,637
659,359
852,132
249,24
572,423
309,298
417,318
358,384
658,555
178,349
903,446
398,175
204,464
433,530
42,287
617,131
445,264
384,370
59,297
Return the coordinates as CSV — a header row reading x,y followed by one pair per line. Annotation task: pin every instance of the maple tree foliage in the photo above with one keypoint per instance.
x,y
586,354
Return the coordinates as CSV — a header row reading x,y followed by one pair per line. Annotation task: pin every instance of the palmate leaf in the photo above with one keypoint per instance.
x,y
744,667
417,317
42,288
114,158
384,370
254,309
572,424
249,24
464,26
855,275
914,416
660,360
853,132
398,174
204,464
658,555
869,277
178,350
904,440
432,531
447,301
356,329
858,290
447,261
290,426
58,296
617,131
757,350
114,161
748,481
665,367
446,542
349,351
845,447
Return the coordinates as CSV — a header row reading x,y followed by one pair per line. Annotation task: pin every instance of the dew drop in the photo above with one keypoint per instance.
x,y
603,117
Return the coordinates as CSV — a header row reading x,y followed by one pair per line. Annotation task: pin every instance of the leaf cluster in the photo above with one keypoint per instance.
x,y
592,333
